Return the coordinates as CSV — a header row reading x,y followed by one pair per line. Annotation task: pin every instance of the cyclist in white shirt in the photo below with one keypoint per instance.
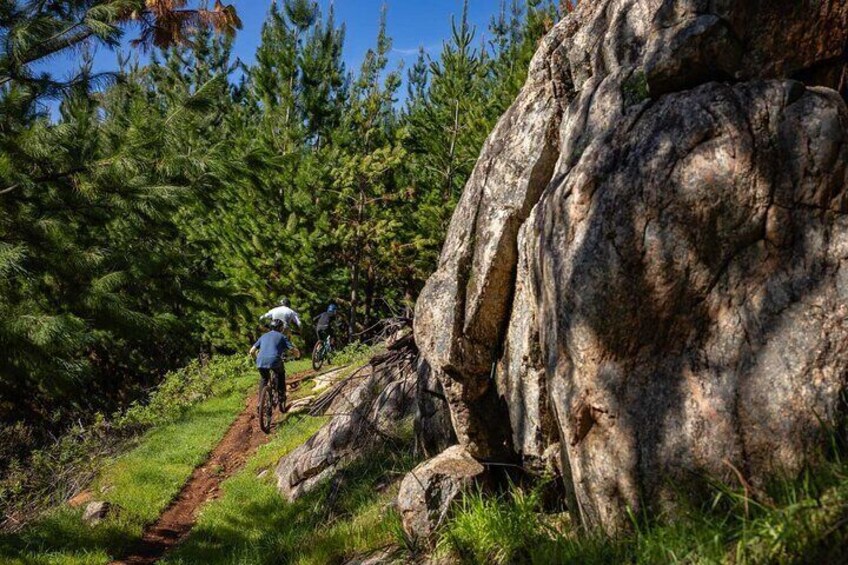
x,y
285,314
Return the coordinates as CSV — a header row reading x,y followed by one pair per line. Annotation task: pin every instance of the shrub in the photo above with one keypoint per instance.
x,y
353,353
182,389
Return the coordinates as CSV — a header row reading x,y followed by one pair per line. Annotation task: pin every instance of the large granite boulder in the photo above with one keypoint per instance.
x,y
646,272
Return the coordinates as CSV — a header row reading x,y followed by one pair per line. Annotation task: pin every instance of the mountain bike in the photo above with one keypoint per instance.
x,y
270,397
323,351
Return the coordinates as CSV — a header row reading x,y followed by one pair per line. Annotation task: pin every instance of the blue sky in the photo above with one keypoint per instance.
x,y
411,23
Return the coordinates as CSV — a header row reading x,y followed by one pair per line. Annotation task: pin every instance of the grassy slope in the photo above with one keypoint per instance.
x,y
251,524
142,483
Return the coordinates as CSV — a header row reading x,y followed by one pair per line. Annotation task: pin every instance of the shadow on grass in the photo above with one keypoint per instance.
x,y
63,536
349,514
801,519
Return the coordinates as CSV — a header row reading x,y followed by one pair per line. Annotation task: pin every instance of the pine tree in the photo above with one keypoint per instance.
x,y
37,30
364,179
417,79
324,81
447,124
96,296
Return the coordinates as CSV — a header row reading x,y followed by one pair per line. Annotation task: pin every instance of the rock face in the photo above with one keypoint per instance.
x,y
433,429
427,492
646,276
364,410
367,409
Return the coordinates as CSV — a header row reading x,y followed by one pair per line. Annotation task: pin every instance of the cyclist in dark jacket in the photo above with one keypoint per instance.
x,y
325,321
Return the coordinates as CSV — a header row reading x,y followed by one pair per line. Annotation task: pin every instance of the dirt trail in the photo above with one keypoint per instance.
x,y
240,442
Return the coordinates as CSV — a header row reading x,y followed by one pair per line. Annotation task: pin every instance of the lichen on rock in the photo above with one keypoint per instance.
x,y
647,266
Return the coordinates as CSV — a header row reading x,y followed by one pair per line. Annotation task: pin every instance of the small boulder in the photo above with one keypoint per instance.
x,y
427,492
302,405
97,511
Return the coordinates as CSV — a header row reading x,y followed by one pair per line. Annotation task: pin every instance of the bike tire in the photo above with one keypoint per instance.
x,y
266,409
318,356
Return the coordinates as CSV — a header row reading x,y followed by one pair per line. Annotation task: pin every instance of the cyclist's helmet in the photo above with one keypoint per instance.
x,y
285,302
332,309
276,325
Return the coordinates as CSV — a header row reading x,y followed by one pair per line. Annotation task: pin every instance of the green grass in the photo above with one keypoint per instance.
x,y
502,529
299,366
802,520
356,353
145,481
252,524
141,482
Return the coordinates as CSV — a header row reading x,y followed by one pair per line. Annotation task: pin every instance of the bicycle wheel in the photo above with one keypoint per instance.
x,y
266,409
318,356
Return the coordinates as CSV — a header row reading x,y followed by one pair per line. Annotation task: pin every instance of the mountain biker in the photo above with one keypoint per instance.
x,y
285,314
269,351
325,321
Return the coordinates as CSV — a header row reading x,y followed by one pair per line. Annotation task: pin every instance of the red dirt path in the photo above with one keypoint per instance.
x,y
240,442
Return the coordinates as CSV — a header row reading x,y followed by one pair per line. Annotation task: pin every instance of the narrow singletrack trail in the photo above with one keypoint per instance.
x,y
240,442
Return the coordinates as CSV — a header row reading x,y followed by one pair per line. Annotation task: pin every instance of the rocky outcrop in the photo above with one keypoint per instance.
x,y
428,491
467,299
367,409
363,411
646,275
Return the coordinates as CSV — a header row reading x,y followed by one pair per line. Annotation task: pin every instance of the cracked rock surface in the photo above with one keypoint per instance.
x,y
428,491
646,278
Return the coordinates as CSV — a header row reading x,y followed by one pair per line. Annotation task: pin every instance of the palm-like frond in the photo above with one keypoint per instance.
x,y
169,22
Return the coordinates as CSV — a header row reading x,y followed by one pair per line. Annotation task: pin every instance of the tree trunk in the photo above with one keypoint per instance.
x,y
408,301
354,276
369,297
448,189
354,299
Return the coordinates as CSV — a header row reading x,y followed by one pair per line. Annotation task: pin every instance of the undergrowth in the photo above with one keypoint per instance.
x,y
503,529
49,476
354,353
185,418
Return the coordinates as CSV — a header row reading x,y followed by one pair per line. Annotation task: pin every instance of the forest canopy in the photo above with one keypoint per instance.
x,y
158,210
